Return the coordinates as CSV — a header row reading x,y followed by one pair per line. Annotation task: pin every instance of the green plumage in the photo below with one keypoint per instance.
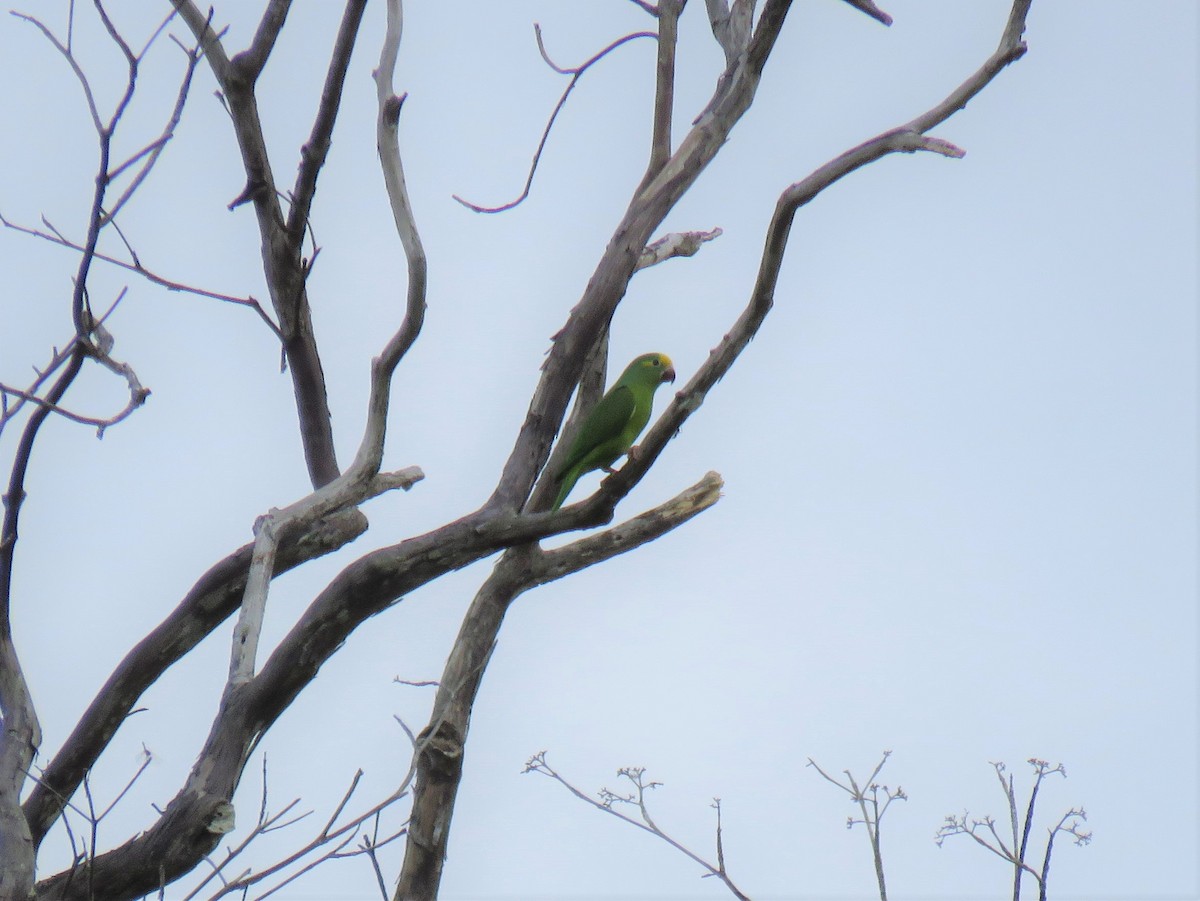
x,y
615,422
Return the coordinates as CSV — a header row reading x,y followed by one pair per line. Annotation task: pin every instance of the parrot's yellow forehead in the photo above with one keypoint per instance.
x,y
658,360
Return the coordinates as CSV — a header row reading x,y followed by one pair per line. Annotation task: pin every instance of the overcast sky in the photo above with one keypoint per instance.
x,y
959,518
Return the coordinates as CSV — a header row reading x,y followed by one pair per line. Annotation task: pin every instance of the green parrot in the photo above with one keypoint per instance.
x,y
615,422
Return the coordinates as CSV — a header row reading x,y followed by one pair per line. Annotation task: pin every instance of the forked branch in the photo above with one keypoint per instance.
x,y
871,809
984,833
608,802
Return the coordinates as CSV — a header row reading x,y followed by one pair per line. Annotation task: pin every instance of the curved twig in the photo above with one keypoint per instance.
x,y
576,73
137,397
387,133
153,151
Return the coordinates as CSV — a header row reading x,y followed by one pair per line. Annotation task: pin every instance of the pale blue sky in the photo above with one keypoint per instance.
x,y
960,458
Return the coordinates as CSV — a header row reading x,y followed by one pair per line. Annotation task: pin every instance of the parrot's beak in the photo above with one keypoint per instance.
x,y
669,374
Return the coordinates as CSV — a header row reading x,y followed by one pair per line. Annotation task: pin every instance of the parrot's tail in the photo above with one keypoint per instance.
x,y
567,483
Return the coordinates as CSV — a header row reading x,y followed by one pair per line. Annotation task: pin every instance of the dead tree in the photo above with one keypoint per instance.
x,y
510,525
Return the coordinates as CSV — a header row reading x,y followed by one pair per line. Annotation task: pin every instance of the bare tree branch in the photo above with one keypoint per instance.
x,y
870,809
86,86
209,39
609,799
137,396
576,73
282,257
55,237
664,93
150,154
387,138
1016,855
252,61
315,151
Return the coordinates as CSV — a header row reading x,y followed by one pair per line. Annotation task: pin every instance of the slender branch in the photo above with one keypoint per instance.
x,y
387,133
537,764
99,350
331,837
55,237
867,799
1072,828
88,97
283,265
664,93
200,25
576,73
152,152
156,34
316,148
956,825
252,61
58,358
137,398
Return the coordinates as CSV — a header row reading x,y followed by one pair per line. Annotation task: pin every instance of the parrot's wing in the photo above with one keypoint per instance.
x,y
606,421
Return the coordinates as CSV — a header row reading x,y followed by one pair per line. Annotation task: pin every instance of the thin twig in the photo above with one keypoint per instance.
x,y
153,151
636,776
69,56
1015,856
872,812
56,237
576,73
